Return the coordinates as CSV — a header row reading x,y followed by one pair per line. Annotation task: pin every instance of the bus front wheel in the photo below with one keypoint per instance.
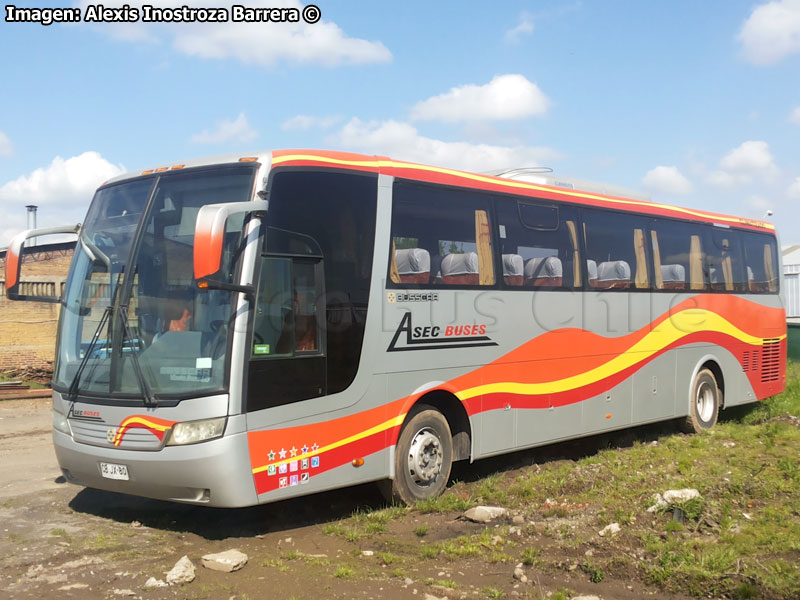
x,y
423,456
705,401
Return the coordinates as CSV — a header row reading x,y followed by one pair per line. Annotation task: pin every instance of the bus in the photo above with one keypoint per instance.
x,y
247,329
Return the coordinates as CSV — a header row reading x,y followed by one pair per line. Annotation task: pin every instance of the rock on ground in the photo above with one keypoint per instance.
x,y
673,497
484,514
154,583
182,572
227,562
610,529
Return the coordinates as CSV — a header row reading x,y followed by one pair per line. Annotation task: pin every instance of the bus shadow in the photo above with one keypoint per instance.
x,y
222,523
571,450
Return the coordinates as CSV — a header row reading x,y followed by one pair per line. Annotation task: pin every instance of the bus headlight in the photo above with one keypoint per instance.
x,y
196,431
60,423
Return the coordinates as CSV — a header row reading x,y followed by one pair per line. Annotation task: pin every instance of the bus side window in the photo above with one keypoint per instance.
x,y
440,237
538,244
274,311
723,260
286,308
616,251
678,256
761,260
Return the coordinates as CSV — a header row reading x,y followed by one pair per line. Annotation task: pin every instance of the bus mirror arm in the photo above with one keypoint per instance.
x,y
212,284
14,261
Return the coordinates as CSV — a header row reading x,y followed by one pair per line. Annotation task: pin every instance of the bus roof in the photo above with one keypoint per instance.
x,y
581,193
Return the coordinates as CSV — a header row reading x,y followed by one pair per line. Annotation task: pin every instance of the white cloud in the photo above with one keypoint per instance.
x,y
794,189
263,44
748,162
772,32
403,142
504,97
62,190
525,27
306,122
794,117
751,157
238,130
666,180
6,147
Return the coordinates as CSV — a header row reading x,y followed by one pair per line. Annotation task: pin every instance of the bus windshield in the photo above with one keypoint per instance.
x,y
134,322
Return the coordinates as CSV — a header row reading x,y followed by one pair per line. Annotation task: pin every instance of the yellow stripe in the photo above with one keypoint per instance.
x,y
125,425
520,185
671,330
127,422
393,422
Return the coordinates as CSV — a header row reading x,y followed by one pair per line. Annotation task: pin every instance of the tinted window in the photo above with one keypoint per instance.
x,y
541,256
331,215
761,262
440,237
723,262
678,256
615,250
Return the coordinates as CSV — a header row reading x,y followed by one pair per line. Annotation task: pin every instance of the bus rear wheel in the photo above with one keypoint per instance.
x,y
704,408
423,456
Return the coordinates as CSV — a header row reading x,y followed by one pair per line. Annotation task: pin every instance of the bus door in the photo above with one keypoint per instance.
x,y
288,361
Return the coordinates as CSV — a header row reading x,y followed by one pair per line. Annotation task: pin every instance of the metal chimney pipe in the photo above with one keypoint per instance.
x,y
32,220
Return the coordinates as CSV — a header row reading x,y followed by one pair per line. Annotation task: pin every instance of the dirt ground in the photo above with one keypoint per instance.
x,y
62,541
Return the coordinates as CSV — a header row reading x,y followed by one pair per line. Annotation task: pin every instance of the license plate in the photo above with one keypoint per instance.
x,y
112,471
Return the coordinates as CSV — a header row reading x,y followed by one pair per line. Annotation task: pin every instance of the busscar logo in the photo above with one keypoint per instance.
x,y
434,337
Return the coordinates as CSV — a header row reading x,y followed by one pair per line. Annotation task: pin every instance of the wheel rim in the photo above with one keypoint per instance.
x,y
425,457
705,400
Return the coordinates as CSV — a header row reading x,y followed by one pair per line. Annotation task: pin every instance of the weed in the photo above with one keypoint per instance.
x,y
595,574
59,533
530,556
344,573
421,531
493,592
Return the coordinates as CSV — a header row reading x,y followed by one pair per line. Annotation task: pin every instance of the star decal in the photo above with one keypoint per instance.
x,y
271,456
282,453
293,451
315,447
304,449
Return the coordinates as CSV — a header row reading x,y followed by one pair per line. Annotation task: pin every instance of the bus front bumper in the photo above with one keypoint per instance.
x,y
213,473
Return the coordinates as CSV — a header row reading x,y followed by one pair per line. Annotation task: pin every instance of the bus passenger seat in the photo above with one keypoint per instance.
x,y
512,269
413,265
544,272
460,269
591,270
613,274
674,277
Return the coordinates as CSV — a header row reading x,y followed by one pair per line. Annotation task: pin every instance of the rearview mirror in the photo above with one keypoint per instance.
x,y
209,236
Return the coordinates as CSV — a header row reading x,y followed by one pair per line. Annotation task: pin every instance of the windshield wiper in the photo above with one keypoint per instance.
x,y
147,393
74,386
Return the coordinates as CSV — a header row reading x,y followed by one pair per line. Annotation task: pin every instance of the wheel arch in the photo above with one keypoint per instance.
x,y
712,363
457,418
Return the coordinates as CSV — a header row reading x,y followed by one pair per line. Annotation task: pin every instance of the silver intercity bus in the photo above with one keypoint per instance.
x,y
243,330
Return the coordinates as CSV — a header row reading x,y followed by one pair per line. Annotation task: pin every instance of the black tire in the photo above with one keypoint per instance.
x,y
704,403
423,457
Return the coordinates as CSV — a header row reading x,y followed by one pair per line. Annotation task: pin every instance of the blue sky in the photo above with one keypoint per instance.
x,y
695,103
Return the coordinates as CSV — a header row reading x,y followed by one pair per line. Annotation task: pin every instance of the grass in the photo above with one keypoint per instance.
x,y
739,540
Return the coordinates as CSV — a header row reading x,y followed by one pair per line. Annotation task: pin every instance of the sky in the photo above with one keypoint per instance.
x,y
694,103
